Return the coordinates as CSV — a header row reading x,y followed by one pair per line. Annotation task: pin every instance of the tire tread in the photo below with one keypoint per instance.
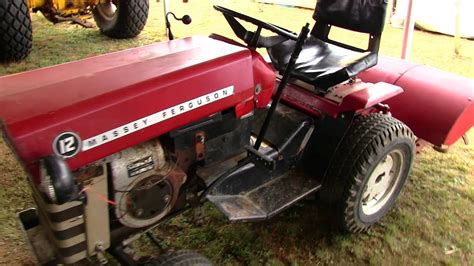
x,y
16,35
131,19
367,135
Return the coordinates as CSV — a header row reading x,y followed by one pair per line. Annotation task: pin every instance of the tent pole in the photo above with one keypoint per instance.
x,y
166,8
408,32
457,33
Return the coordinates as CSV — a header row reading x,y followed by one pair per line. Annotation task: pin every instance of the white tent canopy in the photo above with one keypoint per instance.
x,y
439,15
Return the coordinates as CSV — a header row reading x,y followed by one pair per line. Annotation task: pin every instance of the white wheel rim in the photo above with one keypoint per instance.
x,y
382,182
107,10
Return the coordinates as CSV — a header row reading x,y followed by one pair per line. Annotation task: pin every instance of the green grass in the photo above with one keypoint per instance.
x,y
431,223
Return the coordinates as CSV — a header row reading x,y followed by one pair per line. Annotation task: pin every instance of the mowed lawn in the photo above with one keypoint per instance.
x,y
431,223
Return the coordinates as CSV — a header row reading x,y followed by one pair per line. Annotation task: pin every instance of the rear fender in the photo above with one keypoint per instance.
x,y
436,105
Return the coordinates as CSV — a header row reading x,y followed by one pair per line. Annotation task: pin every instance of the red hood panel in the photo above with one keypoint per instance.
x,y
99,94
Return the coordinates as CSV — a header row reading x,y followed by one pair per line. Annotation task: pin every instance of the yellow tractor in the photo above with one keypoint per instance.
x,y
115,18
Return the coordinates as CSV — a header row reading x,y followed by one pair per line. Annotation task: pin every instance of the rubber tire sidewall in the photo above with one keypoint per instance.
x,y
368,140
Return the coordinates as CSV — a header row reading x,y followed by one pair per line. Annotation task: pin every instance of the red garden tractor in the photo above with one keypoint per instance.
x,y
137,137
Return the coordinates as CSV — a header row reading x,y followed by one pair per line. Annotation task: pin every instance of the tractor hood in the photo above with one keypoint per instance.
x,y
92,108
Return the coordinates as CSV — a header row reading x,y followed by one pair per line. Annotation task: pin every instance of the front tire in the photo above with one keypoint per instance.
x,y
16,35
180,258
368,171
122,19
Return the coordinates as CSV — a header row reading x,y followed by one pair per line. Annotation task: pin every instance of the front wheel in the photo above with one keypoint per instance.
x,y
180,258
121,19
369,170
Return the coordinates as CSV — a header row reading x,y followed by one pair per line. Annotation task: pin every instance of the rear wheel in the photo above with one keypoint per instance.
x,y
15,30
181,258
369,170
121,18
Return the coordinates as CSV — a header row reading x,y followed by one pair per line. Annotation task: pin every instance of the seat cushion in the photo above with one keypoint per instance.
x,y
322,64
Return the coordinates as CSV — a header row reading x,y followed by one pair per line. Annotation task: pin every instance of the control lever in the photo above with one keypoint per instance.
x,y
186,19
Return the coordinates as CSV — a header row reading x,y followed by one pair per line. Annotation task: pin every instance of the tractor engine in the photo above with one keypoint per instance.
x,y
145,184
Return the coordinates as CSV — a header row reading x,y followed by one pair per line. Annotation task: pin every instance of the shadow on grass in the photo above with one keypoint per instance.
x,y
302,233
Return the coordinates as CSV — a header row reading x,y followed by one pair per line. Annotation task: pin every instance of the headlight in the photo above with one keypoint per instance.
x,y
57,182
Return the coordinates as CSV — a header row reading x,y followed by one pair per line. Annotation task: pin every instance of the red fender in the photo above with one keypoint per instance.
x,y
436,105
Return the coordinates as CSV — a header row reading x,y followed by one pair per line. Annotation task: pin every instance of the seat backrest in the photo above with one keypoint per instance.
x,y
366,16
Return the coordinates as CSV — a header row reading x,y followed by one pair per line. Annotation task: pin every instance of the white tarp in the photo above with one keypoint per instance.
x,y
440,15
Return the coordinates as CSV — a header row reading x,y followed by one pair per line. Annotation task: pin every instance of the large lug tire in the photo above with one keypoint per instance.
x,y
181,258
16,36
368,171
122,19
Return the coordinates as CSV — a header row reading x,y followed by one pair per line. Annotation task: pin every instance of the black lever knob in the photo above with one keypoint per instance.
x,y
186,19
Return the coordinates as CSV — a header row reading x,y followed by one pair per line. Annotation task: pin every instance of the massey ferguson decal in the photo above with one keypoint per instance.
x,y
155,118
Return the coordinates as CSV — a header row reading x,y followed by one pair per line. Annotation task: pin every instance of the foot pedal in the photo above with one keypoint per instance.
x,y
252,193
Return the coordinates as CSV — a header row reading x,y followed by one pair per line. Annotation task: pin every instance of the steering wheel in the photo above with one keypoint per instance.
x,y
254,38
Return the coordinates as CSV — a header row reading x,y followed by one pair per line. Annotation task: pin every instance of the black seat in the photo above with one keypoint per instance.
x,y
324,62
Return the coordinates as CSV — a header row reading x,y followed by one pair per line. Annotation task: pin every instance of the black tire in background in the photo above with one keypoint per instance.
x,y
16,36
180,258
122,19
368,171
